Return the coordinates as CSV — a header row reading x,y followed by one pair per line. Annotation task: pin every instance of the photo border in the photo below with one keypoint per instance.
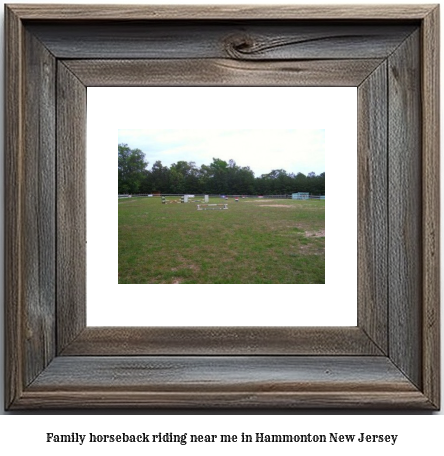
x,y
390,360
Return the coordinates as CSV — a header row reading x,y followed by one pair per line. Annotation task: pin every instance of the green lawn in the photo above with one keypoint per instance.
x,y
254,241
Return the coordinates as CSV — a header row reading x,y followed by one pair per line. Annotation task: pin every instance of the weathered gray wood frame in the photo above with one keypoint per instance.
x,y
390,360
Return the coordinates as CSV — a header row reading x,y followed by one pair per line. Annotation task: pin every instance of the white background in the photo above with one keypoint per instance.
x,y
332,109
419,434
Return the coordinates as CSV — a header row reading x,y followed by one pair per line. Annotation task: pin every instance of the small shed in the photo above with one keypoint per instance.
x,y
300,196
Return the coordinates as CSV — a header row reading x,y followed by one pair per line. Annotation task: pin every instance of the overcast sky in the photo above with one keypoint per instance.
x,y
262,150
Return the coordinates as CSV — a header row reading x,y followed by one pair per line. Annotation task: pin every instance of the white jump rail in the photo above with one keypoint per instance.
x,y
204,207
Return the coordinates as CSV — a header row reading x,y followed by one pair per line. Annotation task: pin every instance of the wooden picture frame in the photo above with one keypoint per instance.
x,y
390,360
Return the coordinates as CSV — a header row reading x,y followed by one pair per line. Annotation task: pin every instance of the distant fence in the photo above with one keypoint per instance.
x,y
198,195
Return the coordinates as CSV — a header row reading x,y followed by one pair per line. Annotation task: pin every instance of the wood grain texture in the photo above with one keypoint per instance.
x,y
127,341
13,209
71,206
38,223
233,382
405,209
323,400
372,207
207,373
220,12
430,93
221,72
30,208
258,40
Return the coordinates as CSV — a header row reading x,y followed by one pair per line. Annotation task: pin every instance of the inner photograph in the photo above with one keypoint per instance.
x,y
221,206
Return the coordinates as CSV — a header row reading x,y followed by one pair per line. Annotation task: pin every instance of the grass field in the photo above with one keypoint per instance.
x,y
254,241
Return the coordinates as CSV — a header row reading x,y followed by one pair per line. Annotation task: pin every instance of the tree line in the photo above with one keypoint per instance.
x,y
219,177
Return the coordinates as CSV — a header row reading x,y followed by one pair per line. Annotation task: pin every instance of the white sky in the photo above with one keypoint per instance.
x,y
294,150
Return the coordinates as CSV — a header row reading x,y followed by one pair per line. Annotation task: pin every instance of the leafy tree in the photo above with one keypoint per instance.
x,y
205,175
160,176
176,181
219,177
246,181
220,173
132,167
184,177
